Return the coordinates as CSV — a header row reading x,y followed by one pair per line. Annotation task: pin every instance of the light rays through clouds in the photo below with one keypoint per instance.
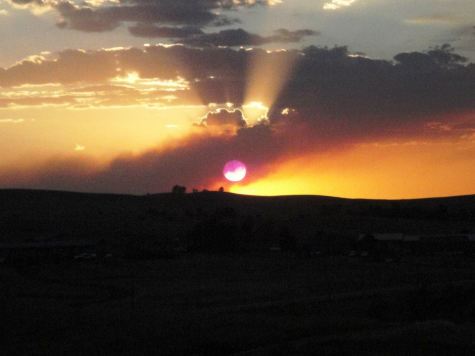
x,y
304,120
263,83
329,103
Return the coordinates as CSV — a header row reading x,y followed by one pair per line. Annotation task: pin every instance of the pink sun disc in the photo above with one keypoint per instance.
x,y
234,171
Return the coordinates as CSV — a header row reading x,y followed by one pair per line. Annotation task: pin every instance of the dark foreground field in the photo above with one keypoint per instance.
x,y
215,273
31,215
250,305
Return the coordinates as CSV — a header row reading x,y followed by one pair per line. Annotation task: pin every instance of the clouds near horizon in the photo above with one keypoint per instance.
x,y
336,100
233,79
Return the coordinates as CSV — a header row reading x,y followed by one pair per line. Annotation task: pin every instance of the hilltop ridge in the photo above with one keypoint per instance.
x,y
26,214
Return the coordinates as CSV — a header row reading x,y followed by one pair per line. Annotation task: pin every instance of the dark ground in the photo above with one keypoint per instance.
x,y
236,300
214,305
29,214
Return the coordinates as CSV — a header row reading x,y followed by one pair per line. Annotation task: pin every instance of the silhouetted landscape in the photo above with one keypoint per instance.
x,y
218,273
177,177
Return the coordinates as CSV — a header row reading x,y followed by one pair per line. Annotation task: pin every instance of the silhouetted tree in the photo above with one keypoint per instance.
x,y
221,190
178,189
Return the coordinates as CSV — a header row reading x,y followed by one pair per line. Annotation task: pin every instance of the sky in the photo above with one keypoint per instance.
x,y
349,98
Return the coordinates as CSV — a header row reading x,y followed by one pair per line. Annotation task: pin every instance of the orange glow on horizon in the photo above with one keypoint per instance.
x,y
378,171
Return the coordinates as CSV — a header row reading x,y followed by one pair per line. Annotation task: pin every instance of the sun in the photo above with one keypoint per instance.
x,y
234,171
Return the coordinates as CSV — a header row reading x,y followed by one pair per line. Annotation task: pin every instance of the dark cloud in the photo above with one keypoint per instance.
x,y
194,163
198,161
106,18
69,66
84,16
338,99
330,83
152,31
232,38
240,37
283,35
28,2
326,82
438,57
87,19
225,117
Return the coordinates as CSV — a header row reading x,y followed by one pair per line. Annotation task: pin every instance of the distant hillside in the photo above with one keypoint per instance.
x,y
32,214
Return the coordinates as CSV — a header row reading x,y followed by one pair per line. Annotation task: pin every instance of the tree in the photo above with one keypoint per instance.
x,y
178,189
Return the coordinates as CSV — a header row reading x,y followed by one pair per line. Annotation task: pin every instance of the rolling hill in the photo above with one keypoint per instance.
x,y
33,214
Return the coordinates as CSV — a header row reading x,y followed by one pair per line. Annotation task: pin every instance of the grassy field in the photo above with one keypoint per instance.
x,y
251,304
226,293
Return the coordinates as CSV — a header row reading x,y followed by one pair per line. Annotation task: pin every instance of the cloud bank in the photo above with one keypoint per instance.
x,y
332,100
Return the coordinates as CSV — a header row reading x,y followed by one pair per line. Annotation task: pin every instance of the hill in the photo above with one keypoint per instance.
x,y
228,303
33,214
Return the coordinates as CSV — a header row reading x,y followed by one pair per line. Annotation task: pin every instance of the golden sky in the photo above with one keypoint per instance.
x,y
160,96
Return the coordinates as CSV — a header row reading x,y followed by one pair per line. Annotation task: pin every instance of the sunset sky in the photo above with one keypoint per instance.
x,y
350,98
